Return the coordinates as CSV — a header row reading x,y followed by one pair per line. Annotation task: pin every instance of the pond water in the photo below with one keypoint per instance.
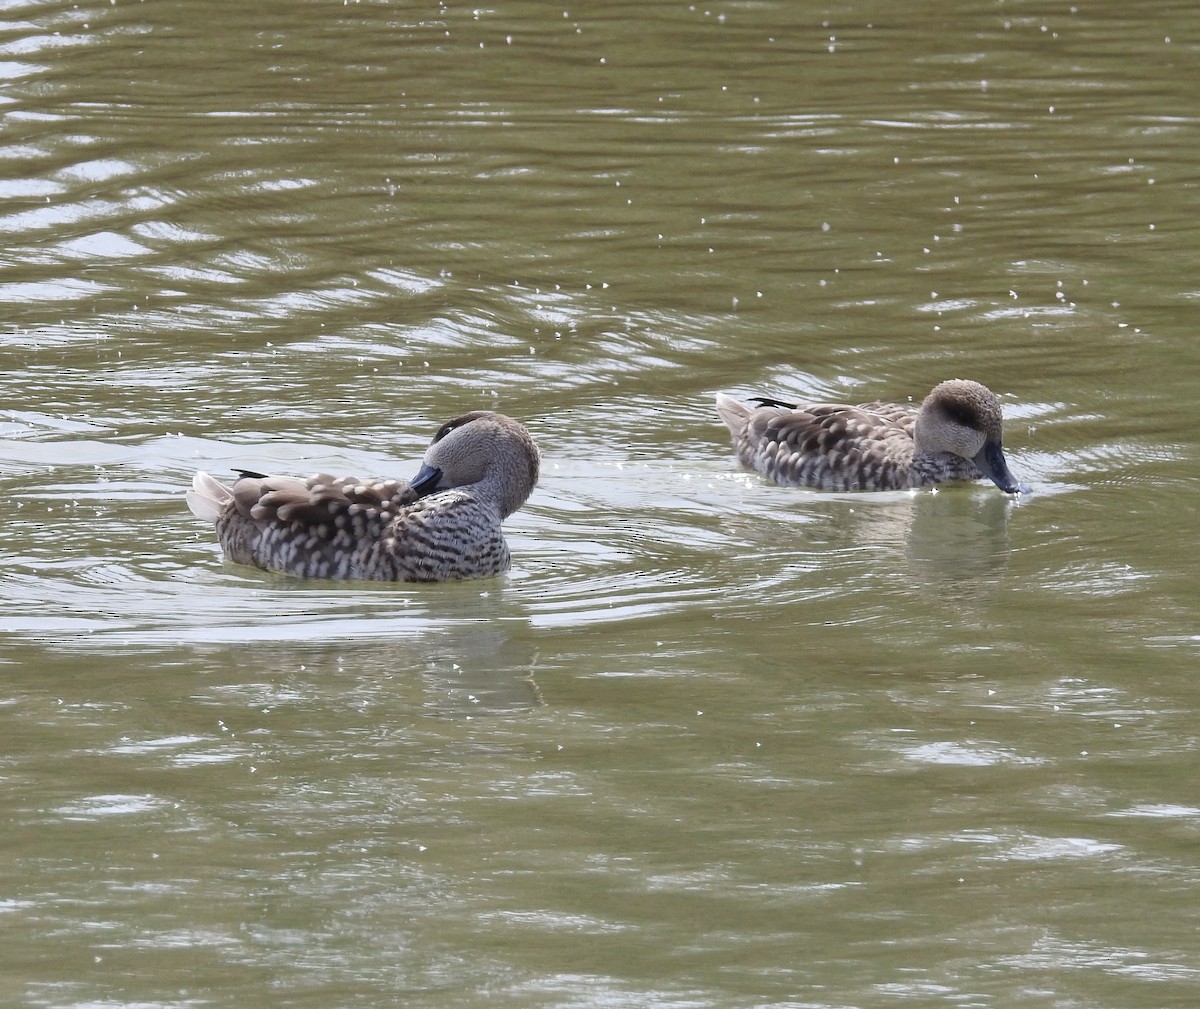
x,y
712,742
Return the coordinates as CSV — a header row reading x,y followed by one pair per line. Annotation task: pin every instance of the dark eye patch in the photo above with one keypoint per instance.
x,y
962,413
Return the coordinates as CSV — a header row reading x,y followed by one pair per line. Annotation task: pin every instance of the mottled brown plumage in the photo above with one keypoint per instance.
x,y
956,434
443,526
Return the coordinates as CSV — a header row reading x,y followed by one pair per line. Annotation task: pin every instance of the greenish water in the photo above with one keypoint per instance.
x,y
713,742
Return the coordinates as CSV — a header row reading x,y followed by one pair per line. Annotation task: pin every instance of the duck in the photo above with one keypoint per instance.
x,y
443,525
954,435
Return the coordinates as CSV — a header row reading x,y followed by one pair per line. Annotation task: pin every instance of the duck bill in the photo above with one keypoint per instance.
x,y
426,481
990,461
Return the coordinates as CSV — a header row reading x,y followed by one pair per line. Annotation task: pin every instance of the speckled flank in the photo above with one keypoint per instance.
x,y
954,435
345,528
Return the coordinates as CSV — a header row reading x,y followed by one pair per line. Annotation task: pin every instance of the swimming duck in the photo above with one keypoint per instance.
x,y
954,435
444,525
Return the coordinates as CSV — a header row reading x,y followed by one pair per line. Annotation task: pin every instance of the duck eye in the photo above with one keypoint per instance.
x,y
462,421
449,426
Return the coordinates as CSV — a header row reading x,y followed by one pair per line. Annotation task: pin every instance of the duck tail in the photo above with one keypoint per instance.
x,y
733,413
207,498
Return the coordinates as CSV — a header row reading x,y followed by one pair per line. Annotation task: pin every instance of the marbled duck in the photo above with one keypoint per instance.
x,y
443,526
954,435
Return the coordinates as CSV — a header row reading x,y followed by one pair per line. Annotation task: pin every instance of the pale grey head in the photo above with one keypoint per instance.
x,y
487,452
964,418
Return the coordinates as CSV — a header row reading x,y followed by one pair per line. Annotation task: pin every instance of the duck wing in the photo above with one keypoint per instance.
x,y
830,446
318,527
903,415
320,500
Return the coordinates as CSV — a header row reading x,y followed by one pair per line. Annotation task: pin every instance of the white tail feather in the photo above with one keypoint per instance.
x,y
732,412
207,498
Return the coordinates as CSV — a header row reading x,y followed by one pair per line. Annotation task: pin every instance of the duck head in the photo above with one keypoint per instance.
x,y
485,450
964,419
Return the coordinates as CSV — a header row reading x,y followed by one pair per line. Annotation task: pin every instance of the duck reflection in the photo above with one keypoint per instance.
x,y
958,537
946,544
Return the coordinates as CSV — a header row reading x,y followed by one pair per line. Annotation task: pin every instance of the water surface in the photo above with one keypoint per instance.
x,y
712,742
